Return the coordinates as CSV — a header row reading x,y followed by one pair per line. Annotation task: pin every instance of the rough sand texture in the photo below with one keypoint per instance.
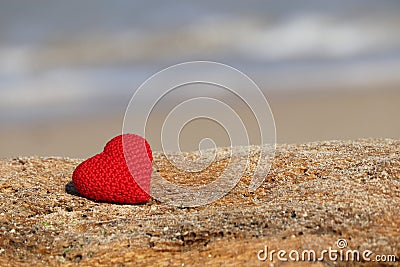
x,y
315,194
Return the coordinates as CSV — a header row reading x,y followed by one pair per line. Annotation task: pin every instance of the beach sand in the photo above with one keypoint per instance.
x,y
315,194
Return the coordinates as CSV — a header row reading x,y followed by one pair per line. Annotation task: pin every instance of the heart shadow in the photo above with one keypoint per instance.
x,y
70,189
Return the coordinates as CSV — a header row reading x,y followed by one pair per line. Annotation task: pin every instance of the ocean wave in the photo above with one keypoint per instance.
x,y
311,49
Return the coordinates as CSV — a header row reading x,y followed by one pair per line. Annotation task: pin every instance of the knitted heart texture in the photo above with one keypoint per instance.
x,y
119,174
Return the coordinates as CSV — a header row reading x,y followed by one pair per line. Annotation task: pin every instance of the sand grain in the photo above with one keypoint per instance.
x,y
315,194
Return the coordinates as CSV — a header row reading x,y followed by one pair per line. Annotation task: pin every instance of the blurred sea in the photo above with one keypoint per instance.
x,y
70,58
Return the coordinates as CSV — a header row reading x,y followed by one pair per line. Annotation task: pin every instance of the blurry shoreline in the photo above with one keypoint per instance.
x,y
299,117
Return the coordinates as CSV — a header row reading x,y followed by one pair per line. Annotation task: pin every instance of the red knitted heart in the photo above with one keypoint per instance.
x,y
107,176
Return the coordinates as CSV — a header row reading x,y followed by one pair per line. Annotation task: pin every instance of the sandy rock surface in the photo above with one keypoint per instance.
x,y
314,195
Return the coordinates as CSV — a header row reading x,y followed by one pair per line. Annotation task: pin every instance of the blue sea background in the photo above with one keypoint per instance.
x,y
71,59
